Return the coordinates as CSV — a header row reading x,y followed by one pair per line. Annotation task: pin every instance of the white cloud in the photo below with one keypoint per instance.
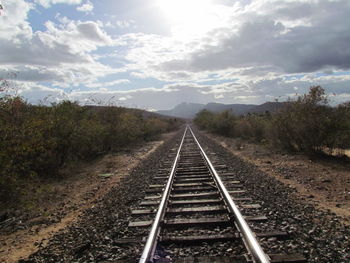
x,y
107,84
48,3
125,98
62,53
87,7
167,97
125,23
281,36
35,93
13,20
259,50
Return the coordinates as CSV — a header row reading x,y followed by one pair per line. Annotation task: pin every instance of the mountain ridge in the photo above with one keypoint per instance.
x,y
188,110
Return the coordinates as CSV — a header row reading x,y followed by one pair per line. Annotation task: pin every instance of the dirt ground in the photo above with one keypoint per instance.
x,y
85,185
323,182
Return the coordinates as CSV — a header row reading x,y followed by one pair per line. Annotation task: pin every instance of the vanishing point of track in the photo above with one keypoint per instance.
x,y
197,206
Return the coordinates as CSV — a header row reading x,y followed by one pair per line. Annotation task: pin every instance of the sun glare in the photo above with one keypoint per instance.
x,y
189,17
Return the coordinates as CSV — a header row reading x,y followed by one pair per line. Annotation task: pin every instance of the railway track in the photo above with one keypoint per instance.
x,y
195,211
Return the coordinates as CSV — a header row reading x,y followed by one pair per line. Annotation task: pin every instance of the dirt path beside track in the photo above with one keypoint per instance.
x,y
78,192
322,182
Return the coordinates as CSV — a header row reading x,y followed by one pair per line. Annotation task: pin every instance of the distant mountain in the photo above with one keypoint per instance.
x,y
184,110
145,114
189,110
237,109
267,106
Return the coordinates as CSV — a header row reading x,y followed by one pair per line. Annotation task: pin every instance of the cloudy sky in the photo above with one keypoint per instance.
x,y
154,54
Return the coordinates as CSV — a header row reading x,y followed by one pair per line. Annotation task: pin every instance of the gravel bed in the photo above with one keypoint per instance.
x,y
214,249
318,235
142,217
209,230
196,215
93,237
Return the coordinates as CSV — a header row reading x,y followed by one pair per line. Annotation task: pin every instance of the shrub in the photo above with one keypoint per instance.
x,y
307,124
250,127
224,123
38,140
204,119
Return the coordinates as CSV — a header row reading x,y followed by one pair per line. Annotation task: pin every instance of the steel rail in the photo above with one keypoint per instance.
x,y
152,237
251,242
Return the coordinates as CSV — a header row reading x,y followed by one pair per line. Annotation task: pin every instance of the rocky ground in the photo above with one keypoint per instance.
x,y
320,181
320,235
81,187
92,238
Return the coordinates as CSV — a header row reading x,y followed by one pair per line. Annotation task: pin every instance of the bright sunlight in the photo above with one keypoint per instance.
x,y
189,18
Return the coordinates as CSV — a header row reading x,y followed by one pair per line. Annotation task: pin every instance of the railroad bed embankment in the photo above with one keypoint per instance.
x,y
82,187
323,181
318,234
322,234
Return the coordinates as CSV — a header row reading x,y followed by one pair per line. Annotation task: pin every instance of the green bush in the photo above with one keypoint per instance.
x,y
204,119
38,140
251,127
307,124
153,128
340,138
310,125
224,123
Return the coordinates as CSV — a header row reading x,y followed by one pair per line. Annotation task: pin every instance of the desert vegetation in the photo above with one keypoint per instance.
x,y
36,141
305,124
